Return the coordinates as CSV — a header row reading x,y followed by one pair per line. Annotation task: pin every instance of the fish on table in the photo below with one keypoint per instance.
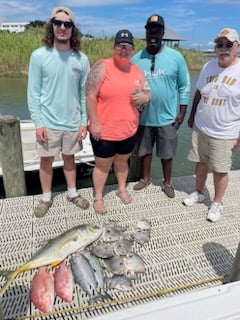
x,y
83,275
56,250
119,282
98,272
63,282
103,250
42,290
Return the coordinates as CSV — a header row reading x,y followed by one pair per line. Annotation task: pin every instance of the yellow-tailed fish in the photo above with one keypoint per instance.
x,y
56,250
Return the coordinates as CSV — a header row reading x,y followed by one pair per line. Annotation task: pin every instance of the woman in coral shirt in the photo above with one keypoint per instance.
x,y
116,89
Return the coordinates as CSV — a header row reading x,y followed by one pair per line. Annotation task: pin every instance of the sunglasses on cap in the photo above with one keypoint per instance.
x,y
227,45
126,46
58,23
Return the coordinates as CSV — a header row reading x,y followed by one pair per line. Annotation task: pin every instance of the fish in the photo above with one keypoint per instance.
x,y
119,282
103,250
115,265
96,267
143,224
142,236
98,272
42,290
84,276
56,250
134,265
63,282
111,234
122,247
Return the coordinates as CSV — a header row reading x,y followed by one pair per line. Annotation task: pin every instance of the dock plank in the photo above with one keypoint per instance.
x,y
186,253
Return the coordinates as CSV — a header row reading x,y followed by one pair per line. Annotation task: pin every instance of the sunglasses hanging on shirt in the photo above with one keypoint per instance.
x,y
152,64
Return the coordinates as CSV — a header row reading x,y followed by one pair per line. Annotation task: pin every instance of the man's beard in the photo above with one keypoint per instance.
x,y
153,46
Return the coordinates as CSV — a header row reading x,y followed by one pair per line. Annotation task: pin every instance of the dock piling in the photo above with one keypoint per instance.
x,y
11,157
235,271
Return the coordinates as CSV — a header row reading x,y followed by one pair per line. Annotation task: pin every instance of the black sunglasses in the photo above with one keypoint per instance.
x,y
58,23
152,64
228,45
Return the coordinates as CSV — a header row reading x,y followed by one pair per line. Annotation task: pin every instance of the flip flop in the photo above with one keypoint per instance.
x,y
124,196
98,206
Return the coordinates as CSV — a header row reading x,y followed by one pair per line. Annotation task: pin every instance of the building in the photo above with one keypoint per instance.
x,y
171,38
13,26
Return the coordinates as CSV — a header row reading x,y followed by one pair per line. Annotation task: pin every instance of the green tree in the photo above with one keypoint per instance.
x,y
35,24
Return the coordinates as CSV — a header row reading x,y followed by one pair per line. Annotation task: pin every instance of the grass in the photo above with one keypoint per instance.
x,y
16,49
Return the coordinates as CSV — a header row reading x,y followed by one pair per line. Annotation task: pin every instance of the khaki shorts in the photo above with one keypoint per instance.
x,y
59,141
216,152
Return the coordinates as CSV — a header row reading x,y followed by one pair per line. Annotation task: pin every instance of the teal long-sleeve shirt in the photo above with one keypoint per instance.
x,y
56,89
169,84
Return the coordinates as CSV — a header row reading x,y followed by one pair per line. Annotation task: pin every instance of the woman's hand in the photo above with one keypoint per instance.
x,y
96,130
140,98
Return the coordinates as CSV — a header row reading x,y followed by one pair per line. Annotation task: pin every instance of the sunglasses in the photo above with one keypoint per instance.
x,y
152,64
126,46
58,23
227,45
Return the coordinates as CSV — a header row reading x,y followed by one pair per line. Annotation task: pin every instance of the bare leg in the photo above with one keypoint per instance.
x,y
46,173
167,171
220,184
201,175
146,163
121,170
100,174
69,170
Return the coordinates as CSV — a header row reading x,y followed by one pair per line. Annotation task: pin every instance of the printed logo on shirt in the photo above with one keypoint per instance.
x,y
155,73
217,91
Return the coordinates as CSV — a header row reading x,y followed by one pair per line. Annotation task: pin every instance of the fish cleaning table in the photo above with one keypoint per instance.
x,y
185,254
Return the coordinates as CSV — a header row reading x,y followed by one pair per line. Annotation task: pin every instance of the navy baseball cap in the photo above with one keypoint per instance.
x,y
123,36
155,21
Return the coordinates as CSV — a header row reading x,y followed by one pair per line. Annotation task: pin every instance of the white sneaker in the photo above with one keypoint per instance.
x,y
215,212
193,198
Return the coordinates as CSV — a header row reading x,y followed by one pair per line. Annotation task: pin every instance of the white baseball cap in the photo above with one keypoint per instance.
x,y
230,34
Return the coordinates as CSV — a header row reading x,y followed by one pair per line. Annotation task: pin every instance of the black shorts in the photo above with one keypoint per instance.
x,y
108,148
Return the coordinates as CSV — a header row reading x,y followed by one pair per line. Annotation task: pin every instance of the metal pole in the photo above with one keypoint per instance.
x,y
11,157
235,272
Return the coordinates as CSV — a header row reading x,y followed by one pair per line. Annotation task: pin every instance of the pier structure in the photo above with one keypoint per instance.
x,y
185,254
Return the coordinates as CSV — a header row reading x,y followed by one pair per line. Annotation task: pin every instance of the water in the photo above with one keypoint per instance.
x,y
13,102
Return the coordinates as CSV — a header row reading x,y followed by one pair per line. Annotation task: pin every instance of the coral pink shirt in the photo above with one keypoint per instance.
x,y
118,117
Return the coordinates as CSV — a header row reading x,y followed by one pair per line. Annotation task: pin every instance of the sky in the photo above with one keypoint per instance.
x,y
198,22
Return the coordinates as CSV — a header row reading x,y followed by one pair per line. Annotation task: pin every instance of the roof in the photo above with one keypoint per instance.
x,y
171,35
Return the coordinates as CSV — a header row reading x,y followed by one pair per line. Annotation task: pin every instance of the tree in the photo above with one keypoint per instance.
x,y
35,24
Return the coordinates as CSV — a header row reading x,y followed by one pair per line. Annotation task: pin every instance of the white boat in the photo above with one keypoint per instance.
x,y
31,160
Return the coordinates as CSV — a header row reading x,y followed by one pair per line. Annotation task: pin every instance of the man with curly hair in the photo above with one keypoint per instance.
x,y
57,103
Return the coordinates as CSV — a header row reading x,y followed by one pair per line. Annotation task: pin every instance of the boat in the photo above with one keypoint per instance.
x,y
31,161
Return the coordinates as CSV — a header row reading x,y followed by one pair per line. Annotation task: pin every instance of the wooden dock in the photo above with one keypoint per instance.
x,y
186,253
